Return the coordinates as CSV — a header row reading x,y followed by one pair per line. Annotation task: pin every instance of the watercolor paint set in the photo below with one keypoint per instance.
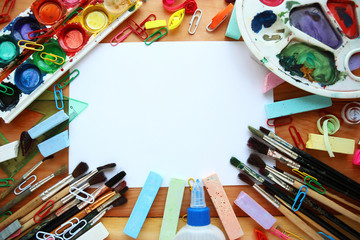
x,y
46,40
313,45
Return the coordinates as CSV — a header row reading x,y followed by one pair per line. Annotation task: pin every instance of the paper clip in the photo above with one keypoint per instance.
x,y
77,192
279,234
72,14
4,15
15,234
5,216
54,58
58,95
300,196
219,18
260,235
40,235
195,16
21,189
302,174
190,179
121,36
75,229
72,222
42,33
325,236
280,121
30,45
47,207
318,188
6,90
293,235
299,143
6,182
63,83
137,28
158,32
25,142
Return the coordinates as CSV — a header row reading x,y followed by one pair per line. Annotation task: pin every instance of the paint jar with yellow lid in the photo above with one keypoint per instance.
x,y
95,19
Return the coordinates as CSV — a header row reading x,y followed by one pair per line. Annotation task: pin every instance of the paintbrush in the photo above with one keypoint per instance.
x,y
285,211
307,158
32,189
272,153
258,162
23,178
79,170
311,204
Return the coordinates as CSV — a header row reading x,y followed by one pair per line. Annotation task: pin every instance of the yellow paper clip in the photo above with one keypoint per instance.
x,y
158,32
190,179
155,24
30,45
197,15
302,174
176,19
54,58
292,235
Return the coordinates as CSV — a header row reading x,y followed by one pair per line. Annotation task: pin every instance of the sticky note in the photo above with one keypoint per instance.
x,y
223,207
255,210
233,30
155,24
143,204
54,144
271,81
48,124
338,145
9,151
172,209
296,105
98,232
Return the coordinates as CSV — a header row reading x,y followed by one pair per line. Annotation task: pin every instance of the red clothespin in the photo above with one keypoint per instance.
x,y
4,15
295,135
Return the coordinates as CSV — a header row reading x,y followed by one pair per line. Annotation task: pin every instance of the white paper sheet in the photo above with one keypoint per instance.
x,y
178,108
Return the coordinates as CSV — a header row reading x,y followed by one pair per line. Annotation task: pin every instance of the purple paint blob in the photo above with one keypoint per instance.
x,y
354,62
23,26
312,21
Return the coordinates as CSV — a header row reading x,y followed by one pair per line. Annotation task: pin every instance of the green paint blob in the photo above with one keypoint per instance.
x,y
295,56
290,4
51,47
7,51
264,61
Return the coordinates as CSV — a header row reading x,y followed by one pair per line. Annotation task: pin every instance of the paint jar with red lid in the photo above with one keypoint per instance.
x,y
72,38
48,12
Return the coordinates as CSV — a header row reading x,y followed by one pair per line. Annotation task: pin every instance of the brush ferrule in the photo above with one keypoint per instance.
x,y
65,208
108,202
28,173
280,147
281,158
103,199
84,179
41,182
267,196
249,171
98,216
99,191
278,181
57,187
280,140
280,175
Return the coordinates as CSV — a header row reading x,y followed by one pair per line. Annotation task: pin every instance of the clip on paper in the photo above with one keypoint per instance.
x,y
325,236
189,5
4,15
41,33
58,96
152,36
21,187
52,58
317,187
219,18
300,196
82,195
40,235
176,18
260,235
155,24
5,182
75,229
121,36
295,135
6,90
197,15
46,208
63,83
280,121
66,226
30,45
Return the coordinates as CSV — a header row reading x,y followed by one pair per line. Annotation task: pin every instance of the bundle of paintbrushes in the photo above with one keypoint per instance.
x,y
67,209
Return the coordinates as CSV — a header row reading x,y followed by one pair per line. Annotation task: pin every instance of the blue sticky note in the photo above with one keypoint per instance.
x,y
296,105
48,124
143,205
54,144
233,30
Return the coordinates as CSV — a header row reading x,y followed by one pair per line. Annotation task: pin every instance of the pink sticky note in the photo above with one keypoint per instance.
x,y
271,81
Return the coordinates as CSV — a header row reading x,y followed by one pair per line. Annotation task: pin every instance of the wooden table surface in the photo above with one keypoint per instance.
x,y
116,219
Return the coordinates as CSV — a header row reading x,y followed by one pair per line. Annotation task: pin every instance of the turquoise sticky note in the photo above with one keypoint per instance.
x,y
296,105
46,125
143,205
233,30
54,144
172,209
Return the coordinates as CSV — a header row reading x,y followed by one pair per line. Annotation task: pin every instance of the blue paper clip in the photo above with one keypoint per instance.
x,y
58,94
326,237
158,32
6,90
6,182
299,198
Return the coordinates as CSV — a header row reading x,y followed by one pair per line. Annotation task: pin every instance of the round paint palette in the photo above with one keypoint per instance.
x,y
313,46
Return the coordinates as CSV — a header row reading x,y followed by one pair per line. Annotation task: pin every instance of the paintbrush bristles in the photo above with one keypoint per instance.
x,y
119,202
47,158
115,179
107,166
256,132
120,186
256,161
256,145
245,178
264,130
264,172
61,170
81,168
97,178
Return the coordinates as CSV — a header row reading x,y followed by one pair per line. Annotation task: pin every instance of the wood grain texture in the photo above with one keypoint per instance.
x,y
116,218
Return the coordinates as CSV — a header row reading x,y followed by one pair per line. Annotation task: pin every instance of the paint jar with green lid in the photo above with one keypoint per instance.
x,y
51,58
8,50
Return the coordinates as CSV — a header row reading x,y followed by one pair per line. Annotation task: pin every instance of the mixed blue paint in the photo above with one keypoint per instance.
x,y
28,77
344,16
264,19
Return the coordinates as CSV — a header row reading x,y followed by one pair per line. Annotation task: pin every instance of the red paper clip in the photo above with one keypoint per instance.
x,y
260,235
276,122
5,16
48,209
295,135
42,33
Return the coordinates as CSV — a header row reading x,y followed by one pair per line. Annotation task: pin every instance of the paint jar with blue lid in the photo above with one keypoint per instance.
x,y
23,25
8,50
28,77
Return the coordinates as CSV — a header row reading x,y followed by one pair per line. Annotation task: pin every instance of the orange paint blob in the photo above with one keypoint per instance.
x,y
50,12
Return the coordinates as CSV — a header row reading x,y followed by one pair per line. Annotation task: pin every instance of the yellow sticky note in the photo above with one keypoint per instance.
x,y
338,145
155,24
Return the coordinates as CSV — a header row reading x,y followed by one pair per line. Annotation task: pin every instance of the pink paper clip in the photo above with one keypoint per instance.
x,y
41,33
295,135
276,122
121,36
279,234
4,15
260,235
47,207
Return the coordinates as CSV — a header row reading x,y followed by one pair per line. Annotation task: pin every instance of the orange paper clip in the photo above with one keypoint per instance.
x,y
47,207
219,18
295,135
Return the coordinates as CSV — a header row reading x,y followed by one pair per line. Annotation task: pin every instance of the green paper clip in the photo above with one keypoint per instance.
x,y
318,188
5,216
6,182
6,89
156,38
63,83
72,14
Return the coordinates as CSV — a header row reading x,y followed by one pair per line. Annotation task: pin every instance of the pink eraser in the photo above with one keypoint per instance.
x,y
271,81
223,207
254,210
356,159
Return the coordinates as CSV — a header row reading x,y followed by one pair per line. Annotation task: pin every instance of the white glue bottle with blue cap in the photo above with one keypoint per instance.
x,y
198,219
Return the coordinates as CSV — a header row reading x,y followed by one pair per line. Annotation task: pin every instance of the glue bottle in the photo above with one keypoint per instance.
x,y
198,219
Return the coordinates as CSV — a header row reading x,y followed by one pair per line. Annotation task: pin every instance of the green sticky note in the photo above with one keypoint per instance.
x,y
172,209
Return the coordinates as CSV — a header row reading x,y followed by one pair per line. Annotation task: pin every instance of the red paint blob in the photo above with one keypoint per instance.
x,y
344,13
73,39
272,3
50,12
